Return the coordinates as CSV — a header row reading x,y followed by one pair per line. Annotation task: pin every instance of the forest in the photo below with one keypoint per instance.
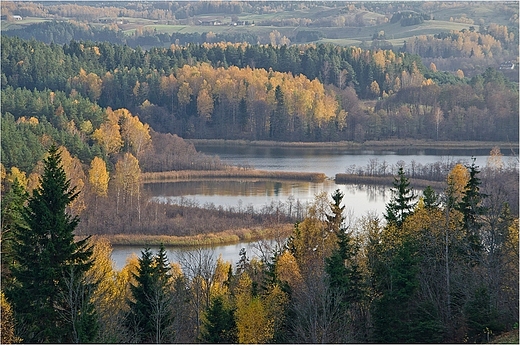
x,y
439,267
92,109
264,92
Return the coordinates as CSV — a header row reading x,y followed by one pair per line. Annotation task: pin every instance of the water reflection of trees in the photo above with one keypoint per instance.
x,y
226,187
374,192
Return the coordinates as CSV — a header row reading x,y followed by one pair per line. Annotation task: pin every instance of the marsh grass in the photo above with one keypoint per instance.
x,y
236,173
212,239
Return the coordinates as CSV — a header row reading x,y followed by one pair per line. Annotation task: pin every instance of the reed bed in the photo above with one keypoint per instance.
x,y
163,176
385,180
212,239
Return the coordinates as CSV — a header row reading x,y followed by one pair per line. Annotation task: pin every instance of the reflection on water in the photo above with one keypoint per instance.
x,y
330,160
175,254
258,193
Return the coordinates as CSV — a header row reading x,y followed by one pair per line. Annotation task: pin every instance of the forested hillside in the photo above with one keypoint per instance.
x,y
153,85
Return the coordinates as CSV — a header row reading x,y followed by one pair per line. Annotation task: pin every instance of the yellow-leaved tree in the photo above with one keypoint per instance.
x,y
8,335
108,135
109,295
457,179
17,174
287,270
252,320
98,177
74,171
127,177
135,133
220,277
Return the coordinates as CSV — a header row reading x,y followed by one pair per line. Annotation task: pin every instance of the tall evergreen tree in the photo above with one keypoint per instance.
x,y
430,198
279,120
12,205
149,314
344,274
393,309
402,203
472,210
48,265
219,326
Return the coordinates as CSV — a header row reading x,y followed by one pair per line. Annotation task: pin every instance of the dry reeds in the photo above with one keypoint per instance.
x,y
212,239
163,176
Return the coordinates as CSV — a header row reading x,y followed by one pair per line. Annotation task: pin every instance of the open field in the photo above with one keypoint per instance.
x,y
346,36
446,18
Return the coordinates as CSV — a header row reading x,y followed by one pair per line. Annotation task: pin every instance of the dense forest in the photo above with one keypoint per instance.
x,y
438,268
263,92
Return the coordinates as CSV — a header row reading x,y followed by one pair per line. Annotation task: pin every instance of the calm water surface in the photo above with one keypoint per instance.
x,y
330,160
258,193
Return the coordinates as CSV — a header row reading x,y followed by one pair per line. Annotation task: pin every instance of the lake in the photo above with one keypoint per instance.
x,y
358,199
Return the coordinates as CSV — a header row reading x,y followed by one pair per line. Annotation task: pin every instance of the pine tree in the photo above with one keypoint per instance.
x,y
393,309
344,274
335,220
431,199
402,203
49,266
343,271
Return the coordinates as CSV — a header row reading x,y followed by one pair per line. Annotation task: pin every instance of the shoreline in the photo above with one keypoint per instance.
x,y
367,145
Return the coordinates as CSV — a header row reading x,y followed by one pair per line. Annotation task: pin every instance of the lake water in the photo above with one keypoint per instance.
x,y
358,199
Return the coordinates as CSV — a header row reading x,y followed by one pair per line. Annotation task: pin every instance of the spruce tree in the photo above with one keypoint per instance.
x,y
472,210
219,326
402,203
139,319
12,205
48,265
430,198
149,314
344,274
341,267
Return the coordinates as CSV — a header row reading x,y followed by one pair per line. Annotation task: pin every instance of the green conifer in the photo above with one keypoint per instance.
x,y
48,265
